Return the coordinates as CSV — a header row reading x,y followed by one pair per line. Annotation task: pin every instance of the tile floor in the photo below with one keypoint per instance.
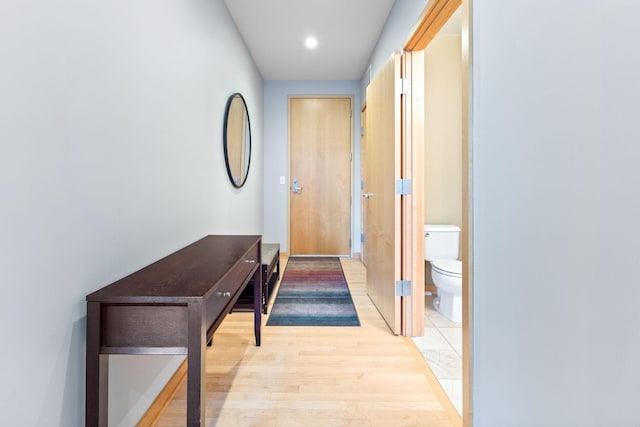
x,y
441,347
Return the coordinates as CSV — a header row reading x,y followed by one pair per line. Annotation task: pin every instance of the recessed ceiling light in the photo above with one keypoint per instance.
x,y
311,42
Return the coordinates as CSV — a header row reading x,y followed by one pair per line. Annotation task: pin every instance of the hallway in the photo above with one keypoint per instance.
x,y
318,376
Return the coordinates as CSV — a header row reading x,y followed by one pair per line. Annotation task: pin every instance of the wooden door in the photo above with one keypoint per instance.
x,y
363,179
383,209
320,172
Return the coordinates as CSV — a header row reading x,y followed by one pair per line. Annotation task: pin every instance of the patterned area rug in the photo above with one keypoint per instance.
x,y
313,292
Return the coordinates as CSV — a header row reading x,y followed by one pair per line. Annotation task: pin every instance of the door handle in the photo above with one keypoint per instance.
x,y
368,195
295,187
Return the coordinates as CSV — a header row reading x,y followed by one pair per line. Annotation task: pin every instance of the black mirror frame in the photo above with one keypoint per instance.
x,y
247,143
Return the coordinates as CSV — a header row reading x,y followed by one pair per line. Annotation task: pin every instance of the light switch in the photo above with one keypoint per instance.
x,y
282,181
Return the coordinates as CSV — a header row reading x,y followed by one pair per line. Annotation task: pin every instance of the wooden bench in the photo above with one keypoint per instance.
x,y
270,275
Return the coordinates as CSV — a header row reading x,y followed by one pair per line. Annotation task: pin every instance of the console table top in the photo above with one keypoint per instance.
x,y
187,274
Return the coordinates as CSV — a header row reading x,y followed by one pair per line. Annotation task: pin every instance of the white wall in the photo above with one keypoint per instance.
x,y
443,131
111,119
556,207
276,152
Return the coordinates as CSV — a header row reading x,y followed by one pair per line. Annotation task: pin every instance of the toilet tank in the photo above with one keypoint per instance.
x,y
441,241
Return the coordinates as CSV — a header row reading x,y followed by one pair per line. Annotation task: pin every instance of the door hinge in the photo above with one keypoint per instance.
x,y
361,237
404,86
403,187
349,244
403,288
351,156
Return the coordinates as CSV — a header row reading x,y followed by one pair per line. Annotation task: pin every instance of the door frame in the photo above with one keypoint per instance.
x,y
430,22
352,162
413,204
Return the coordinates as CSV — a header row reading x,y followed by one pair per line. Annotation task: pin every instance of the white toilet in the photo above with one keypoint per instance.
x,y
441,244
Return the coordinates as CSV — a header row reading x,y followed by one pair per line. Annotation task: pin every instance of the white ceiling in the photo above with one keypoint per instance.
x,y
275,30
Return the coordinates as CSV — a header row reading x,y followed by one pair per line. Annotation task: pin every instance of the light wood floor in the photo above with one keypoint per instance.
x,y
317,376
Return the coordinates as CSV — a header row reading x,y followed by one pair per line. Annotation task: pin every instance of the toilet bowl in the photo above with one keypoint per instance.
x,y
441,244
447,276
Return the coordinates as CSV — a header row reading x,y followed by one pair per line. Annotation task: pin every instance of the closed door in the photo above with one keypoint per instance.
x,y
382,158
363,179
320,172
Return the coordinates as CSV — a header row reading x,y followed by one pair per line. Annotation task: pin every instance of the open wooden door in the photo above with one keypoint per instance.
x,y
382,239
393,162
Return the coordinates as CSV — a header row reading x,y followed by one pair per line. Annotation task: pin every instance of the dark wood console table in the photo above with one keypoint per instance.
x,y
172,306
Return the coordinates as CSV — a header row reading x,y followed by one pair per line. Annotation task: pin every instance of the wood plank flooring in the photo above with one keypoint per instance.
x,y
317,376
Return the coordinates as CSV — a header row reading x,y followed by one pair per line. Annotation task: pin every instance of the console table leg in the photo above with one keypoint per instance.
x,y
257,304
97,372
196,361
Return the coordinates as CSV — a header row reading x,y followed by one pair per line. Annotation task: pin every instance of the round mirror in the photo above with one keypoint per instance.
x,y
237,140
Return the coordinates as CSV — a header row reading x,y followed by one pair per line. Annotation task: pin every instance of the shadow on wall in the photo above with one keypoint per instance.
x,y
72,399
129,377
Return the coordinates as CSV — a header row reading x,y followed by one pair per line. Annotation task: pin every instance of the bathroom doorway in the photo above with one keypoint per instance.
x,y
446,344
441,344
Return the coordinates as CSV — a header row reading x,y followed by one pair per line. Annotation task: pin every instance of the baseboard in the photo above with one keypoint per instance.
x,y
150,418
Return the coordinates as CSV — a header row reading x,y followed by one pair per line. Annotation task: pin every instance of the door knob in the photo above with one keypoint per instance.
x,y
368,195
295,187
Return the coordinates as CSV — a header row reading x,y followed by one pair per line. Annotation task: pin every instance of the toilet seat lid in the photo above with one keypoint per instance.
x,y
449,267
